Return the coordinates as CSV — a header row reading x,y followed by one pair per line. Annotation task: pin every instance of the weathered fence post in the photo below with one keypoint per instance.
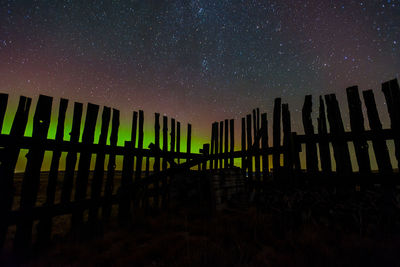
x,y
340,147
71,158
164,162
311,146
109,186
379,144
45,225
264,146
178,140
324,151
276,125
9,157
156,167
139,157
98,174
232,139
3,107
244,164
216,147
226,144
357,127
249,161
31,180
84,164
392,95
221,143
256,128
287,139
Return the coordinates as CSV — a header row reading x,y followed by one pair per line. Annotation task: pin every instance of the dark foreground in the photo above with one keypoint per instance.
x,y
295,228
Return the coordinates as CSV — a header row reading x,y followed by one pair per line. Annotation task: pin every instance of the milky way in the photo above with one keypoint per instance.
x,y
197,61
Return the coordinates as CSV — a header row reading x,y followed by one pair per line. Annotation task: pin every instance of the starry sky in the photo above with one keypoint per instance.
x,y
198,61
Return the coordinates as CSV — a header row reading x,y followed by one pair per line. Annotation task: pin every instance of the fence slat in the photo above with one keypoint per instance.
x,y
178,139
216,147
311,147
139,158
392,95
164,162
276,125
264,145
357,126
221,143
165,141
156,166
324,151
31,179
232,139
45,226
9,158
226,144
3,107
249,161
84,163
212,144
244,164
340,148
98,174
256,128
379,145
109,186
71,158
287,138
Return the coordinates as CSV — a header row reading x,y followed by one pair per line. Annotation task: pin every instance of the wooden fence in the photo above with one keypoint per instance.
x,y
218,155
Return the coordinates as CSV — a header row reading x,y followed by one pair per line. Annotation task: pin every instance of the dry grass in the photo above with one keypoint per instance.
x,y
246,238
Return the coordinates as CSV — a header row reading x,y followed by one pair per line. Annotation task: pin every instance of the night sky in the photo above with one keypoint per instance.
x,y
198,61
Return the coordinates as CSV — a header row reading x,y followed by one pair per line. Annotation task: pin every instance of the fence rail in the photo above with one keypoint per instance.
x,y
168,160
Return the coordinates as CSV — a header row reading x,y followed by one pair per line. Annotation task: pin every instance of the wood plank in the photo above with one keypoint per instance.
x,y
256,128
156,166
205,151
3,107
134,128
164,162
139,157
189,139
226,144
249,162
264,145
45,225
221,143
98,174
244,164
165,140
276,134
357,126
311,147
392,95
31,179
71,158
216,147
232,139
109,186
379,144
84,164
340,148
178,139
212,144
287,138
324,151
172,146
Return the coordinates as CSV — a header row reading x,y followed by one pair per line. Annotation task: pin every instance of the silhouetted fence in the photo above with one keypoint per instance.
x,y
84,192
